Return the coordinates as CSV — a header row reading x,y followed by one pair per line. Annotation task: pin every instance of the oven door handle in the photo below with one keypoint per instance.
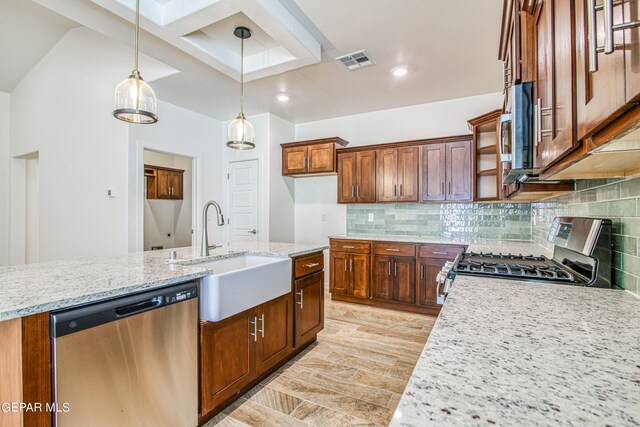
x,y
440,298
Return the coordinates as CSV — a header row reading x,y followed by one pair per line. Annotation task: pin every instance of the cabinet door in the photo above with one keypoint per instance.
x,y
227,358
163,188
433,172
404,281
321,158
386,175
339,273
359,281
382,280
427,286
459,170
407,173
555,81
275,332
600,94
294,160
366,176
176,185
309,307
347,178
631,12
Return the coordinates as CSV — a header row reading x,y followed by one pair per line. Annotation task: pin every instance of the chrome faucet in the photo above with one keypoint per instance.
x,y
205,234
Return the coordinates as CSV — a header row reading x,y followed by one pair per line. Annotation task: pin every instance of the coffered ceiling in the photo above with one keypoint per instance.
x,y
449,48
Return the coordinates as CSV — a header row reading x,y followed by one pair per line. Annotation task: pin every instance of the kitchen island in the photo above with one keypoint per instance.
x,y
515,353
41,287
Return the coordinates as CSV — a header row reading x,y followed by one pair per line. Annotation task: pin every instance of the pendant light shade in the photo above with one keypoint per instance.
x,y
240,133
135,100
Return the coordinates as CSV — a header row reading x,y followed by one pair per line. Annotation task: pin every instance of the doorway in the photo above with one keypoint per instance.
x,y
168,201
243,188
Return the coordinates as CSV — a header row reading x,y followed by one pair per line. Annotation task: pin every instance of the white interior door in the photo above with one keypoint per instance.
x,y
243,201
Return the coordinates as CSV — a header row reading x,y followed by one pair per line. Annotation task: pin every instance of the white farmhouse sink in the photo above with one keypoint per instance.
x,y
240,283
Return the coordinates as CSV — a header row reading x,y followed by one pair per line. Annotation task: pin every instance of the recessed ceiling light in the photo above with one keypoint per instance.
x,y
399,71
283,97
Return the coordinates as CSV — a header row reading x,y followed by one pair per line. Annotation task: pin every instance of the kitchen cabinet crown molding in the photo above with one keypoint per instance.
x,y
384,146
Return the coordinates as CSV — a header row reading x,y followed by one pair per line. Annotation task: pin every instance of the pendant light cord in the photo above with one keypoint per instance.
x,y
135,62
241,76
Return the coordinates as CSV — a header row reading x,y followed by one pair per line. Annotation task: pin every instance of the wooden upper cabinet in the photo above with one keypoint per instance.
x,y
387,181
397,175
357,177
433,172
601,90
459,171
366,176
164,183
631,38
446,172
554,105
314,157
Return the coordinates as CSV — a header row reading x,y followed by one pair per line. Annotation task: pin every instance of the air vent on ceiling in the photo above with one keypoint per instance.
x,y
355,60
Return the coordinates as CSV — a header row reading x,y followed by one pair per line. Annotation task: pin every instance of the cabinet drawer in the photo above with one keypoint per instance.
x,y
351,246
440,251
394,249
308,264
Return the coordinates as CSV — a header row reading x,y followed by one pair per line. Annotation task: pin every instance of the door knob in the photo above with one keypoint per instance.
x,y
254,231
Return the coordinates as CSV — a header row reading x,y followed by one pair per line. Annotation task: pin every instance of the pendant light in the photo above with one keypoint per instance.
x,y
135,100
240,134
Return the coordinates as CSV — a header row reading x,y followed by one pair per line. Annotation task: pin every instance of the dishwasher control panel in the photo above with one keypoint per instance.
x,y
174,297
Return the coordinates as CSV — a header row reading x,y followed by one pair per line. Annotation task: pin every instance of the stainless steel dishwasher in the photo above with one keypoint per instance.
x,y
129,361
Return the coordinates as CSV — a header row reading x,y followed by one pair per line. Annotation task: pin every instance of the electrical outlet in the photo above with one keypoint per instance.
x,y
370,217
111,192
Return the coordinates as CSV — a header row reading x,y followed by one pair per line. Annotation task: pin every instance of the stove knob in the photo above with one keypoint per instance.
x,y
449,264
441,277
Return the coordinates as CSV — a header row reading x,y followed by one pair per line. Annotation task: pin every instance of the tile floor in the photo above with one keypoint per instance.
x,y
353,375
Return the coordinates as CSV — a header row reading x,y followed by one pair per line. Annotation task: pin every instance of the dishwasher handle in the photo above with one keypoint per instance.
x,y
139,307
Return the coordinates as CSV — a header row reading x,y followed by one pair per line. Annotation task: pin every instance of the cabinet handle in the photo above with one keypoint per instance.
x,y
422,272
401,190
608,27
301,303
353,191
262,323
345,264
395,268
255,329
395,190
348,247
357,191
592,36
393,250
442,191
313,264
389,268
449,188
351,264
440,253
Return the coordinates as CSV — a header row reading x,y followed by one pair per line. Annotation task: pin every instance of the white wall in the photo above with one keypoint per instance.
x,y
315,197
62,109
182,132
5,175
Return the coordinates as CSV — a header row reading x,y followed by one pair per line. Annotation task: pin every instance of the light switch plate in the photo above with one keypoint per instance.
x,y
323,216
111,192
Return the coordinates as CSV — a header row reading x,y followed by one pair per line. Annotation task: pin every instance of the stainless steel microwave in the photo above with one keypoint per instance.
x,y
516,133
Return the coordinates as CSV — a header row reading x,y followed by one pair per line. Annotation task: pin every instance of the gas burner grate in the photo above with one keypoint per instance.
x,y
516,270
500,255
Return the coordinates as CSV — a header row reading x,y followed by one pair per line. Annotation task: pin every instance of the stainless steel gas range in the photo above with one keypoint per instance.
x,y
582,256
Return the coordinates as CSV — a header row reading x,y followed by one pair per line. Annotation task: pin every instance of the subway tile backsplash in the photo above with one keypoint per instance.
x,y
460,220
618,200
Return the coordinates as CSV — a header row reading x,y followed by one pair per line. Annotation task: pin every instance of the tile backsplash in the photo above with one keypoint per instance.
x,y
460,220
618,200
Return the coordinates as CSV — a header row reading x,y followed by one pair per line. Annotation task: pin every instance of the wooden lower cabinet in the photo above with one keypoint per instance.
x,y
227,358
394,279
427,286
309,308
404,281
350,274
275,332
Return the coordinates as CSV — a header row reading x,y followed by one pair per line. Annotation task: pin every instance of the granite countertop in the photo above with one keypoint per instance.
x,y
477,245
518,353
41,287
